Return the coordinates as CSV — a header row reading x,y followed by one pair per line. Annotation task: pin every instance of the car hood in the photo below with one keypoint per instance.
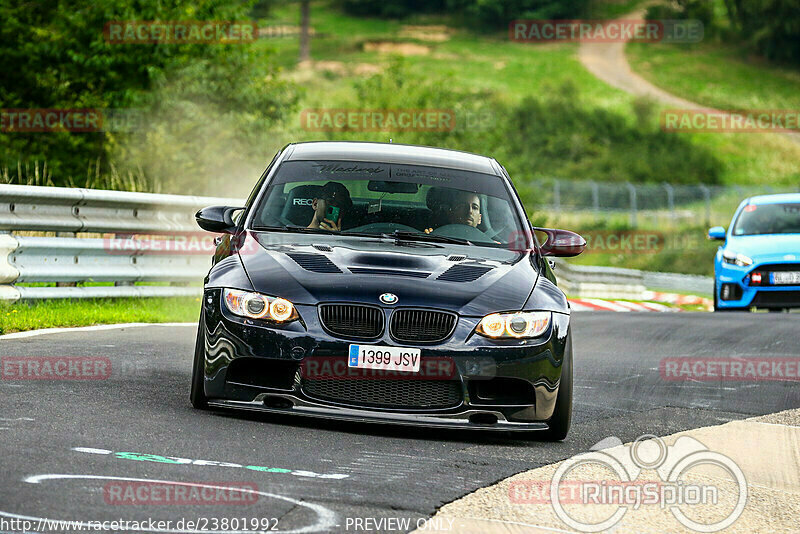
x,y
766,248
469,280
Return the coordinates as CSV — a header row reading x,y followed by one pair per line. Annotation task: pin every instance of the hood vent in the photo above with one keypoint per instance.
x,y
323,248
463,273
316,263
390,272
456,257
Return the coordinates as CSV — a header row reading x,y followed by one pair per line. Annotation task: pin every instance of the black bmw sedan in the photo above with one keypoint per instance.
x,y
386,283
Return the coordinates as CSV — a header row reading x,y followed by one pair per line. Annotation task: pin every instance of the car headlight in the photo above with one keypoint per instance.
x,y
514,325
258,306
737,259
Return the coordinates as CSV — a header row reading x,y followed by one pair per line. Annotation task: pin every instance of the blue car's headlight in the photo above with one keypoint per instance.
x,y
737,259
258,306
514,325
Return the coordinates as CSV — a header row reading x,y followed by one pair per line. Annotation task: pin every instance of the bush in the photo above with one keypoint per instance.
x,y
556,135
60,59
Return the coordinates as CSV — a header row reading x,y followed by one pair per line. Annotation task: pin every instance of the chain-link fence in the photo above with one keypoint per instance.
x,y
641,204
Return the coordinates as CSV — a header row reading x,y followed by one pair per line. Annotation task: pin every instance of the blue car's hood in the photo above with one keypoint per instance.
x,y
767,247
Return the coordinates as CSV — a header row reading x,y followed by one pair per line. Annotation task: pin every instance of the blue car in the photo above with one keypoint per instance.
x,y
758,265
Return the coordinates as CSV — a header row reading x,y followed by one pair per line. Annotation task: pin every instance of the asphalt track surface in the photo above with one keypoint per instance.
x,y
392,472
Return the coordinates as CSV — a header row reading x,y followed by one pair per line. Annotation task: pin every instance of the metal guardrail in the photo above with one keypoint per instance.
x,y
117,215
67,259
614,282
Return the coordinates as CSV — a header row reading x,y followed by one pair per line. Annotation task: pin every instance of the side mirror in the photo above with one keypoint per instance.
x,y
217,219
717,233
561,243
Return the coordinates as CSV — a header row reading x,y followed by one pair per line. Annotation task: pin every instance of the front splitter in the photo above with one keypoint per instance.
x,y
302,407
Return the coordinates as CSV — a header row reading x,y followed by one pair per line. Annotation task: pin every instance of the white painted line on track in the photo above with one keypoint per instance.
x,y
31,333
326,518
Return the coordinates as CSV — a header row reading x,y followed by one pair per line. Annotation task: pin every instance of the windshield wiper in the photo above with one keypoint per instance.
x,y
397,234
297,229
414,236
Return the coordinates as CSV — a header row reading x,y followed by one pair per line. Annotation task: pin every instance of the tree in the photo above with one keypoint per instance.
x,y
305,29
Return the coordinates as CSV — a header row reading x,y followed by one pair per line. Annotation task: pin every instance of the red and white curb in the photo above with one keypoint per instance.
x,y
618,306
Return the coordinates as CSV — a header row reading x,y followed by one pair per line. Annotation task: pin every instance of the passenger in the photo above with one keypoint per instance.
x,y
333,203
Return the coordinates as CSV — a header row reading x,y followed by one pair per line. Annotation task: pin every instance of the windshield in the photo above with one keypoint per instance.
x,y
783,218
404,201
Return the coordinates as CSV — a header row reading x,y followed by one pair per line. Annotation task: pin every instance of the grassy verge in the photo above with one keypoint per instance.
x,y
23,316
716,75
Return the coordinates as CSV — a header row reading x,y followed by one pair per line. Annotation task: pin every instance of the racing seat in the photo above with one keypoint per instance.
x,y
298,210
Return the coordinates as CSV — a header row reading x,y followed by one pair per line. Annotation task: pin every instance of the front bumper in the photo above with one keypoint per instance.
x,y
250,365
736,290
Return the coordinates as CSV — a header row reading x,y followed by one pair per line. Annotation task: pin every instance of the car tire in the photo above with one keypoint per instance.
x,y
716,302
562,415
198,395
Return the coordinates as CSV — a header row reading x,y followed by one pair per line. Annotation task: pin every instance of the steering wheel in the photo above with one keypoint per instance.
x,y
463,231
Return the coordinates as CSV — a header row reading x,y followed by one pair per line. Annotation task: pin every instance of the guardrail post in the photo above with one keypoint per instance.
x,y
632,191
670,200
595,196
67,284
556,196
707,196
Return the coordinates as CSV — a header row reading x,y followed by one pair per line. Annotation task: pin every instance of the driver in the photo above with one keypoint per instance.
x,y
464,208
333,195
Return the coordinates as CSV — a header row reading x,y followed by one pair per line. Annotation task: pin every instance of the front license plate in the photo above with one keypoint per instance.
x,y
786,278
387,358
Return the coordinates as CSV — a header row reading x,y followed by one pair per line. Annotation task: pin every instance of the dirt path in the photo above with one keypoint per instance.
x,y
607,62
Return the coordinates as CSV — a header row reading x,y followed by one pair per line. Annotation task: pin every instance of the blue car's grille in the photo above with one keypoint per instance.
x,y
777,299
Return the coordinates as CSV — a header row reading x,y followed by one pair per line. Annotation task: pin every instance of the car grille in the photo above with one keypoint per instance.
x,y
352,320
386,393
780,267
777,299
421,325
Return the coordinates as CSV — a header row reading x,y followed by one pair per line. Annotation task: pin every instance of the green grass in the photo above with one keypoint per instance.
x,y
513,71
23,316
716,75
